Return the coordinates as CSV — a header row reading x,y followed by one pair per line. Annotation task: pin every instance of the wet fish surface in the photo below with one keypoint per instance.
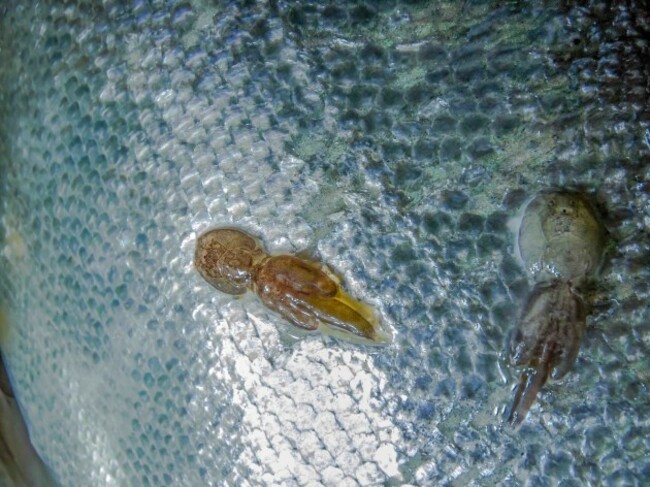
x,y
396,138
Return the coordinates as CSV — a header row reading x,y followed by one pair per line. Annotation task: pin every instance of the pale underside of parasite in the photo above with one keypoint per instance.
x,y
561,243
305,293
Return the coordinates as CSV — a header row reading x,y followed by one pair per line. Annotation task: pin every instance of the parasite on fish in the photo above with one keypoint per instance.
x,y
561,242
306,293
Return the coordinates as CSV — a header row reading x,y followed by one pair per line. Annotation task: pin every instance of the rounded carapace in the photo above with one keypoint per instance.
x,y
561,237
225,257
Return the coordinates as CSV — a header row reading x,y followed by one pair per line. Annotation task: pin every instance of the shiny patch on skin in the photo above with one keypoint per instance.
x,y
14,244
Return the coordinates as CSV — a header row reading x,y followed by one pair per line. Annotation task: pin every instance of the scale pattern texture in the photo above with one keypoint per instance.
x,y
396,139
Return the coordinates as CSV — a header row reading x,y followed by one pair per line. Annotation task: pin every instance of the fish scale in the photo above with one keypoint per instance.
x,y
391,138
